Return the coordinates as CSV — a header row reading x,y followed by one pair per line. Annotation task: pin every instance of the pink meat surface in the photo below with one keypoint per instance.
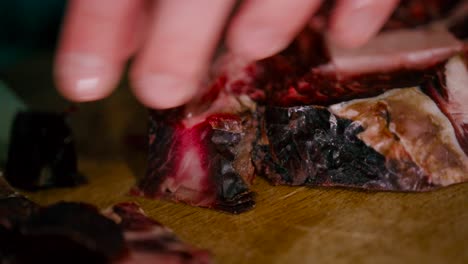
x,y
394,50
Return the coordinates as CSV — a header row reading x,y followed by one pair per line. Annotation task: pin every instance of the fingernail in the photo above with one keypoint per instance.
x,y
162,91
258,43
355,27
84,77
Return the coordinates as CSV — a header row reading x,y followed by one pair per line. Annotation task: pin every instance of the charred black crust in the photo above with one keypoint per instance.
x,y
234,194
310,146
160,138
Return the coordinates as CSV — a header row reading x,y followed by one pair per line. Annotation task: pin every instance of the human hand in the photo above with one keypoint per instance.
x,y
173,40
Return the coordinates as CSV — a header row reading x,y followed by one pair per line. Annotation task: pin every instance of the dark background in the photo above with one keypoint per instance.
x,y
28,28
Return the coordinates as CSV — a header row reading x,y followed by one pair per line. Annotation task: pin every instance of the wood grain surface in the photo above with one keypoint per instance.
x,y
288,225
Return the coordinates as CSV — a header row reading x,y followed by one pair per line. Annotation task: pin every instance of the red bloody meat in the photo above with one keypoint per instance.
x,y
202,161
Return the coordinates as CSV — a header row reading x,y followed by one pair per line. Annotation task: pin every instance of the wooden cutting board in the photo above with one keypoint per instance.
x,y
288,225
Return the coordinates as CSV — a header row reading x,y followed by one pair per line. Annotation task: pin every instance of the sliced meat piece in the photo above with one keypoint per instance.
x,y
150,242
410,120
395,50
201,156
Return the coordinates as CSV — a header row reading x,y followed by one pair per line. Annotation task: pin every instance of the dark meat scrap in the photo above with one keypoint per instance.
x,y
69,232
15,210
66,233
150,242
202,159
41,152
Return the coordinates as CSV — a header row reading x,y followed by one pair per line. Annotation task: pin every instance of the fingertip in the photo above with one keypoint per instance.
x,y
255,43
163,91
355,22
347,40
352,37
84,77
96,40
167,70
265,27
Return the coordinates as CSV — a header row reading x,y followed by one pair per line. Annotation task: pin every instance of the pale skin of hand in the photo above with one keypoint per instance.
x,y
172,41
